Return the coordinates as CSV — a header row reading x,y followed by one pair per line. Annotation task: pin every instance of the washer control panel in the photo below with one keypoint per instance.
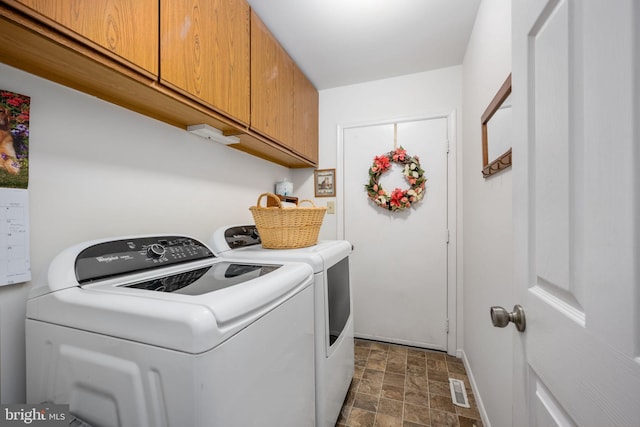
x,y
117,257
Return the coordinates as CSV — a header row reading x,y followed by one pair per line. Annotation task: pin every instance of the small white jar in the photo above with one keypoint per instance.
x,y
284,188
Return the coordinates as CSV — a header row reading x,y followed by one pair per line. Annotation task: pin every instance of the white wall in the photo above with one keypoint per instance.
x,y
427,93
97,170
487,241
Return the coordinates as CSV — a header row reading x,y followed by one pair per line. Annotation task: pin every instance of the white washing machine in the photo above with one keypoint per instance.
x,y
156,331
329,259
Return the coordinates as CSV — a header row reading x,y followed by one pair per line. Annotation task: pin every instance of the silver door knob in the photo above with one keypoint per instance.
x,y
501,317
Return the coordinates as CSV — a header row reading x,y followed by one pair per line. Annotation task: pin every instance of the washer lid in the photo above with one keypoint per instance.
x,y
168,291
207,279
193,318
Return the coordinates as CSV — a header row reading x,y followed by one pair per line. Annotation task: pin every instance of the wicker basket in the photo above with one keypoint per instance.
x,y
287,227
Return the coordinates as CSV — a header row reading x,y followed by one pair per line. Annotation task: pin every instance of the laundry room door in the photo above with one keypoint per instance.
x,y
575,213
399,265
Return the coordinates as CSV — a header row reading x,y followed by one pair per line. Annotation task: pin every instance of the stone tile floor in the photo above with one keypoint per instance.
x,y
399,386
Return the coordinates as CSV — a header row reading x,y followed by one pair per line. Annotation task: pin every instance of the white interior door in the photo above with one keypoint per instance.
x,y
576,200
399,266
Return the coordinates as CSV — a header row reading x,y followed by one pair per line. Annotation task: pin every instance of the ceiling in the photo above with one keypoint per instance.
x,y
342,42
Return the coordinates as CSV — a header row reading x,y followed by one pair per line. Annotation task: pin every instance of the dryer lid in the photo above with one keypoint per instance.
x,y
242,242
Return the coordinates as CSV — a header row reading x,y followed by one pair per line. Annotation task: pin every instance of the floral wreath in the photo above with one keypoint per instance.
x,y
398,199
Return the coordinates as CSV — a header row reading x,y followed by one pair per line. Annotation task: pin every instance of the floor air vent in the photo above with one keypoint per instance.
x,y
458,393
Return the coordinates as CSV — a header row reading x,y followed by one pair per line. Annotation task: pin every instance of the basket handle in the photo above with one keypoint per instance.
x,y
307,200
273,196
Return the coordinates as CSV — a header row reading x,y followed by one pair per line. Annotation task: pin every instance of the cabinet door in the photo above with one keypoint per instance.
x,y
271,85
204,52
127,28
305,116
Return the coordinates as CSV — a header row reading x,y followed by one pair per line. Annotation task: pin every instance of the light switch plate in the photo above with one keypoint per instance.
x,y
331,207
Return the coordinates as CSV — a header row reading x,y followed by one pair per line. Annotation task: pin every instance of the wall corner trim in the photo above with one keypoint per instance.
x,y
483,413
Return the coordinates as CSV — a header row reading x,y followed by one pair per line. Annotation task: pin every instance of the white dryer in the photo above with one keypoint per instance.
x,y
334,358
156,331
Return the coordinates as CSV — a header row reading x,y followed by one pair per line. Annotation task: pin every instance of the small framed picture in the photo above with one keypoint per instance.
x,y
325,182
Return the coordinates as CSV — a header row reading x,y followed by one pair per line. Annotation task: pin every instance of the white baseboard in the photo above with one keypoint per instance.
x,y
390,340
483,413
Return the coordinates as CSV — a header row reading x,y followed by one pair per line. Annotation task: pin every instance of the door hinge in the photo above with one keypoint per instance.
x,y
447,236
446,326
447,146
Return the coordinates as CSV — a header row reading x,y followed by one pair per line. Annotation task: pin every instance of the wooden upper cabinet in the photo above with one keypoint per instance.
x,y
126,28
204,52
305,116
284,103
198,61
271,85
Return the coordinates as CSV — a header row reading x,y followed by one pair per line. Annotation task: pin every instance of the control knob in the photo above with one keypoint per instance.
x,y
254,233
155,250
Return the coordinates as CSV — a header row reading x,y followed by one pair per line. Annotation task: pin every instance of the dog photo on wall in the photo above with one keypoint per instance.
x,y
14,139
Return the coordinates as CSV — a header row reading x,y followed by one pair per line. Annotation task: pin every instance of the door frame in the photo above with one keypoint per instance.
x,y
454,294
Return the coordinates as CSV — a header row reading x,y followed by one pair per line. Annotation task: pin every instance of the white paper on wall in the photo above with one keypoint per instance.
x,y
14,236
